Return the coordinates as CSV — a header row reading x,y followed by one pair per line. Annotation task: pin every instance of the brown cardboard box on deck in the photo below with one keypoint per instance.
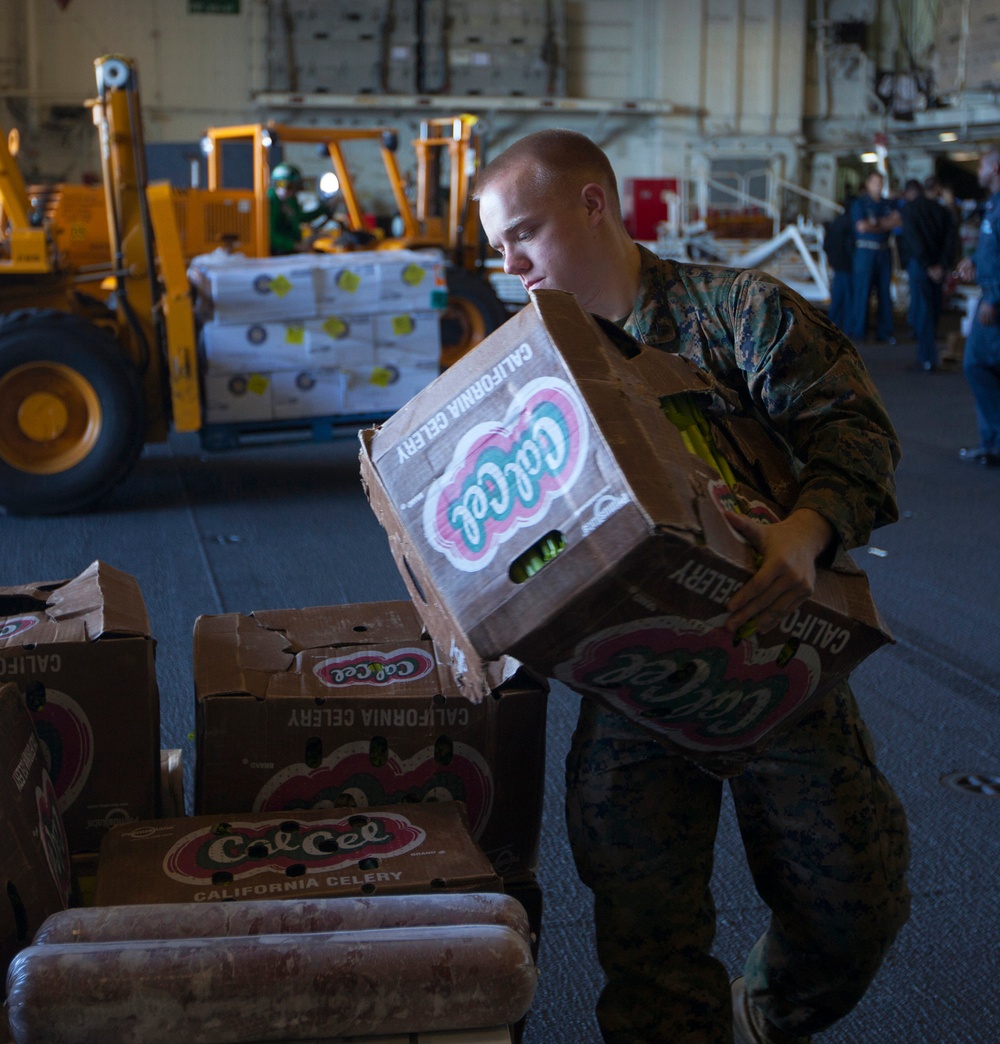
x,y
34,858
349,706
391,850
81,652
553,430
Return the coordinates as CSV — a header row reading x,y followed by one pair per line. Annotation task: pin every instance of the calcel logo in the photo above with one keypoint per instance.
x,y
504,475
245,849
374,668
16,625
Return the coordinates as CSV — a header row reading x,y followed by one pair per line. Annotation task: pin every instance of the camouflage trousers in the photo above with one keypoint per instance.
x,y
827,844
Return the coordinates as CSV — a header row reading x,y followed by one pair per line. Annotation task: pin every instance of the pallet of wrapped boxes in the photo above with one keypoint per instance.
x,y
285,339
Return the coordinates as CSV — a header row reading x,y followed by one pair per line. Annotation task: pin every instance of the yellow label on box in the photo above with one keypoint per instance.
x,y
413,275
402,324
380,377
280,285
295,335
348,280
335,326
257,383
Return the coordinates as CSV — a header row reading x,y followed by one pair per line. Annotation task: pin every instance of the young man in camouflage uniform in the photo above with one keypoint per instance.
x,y
825,836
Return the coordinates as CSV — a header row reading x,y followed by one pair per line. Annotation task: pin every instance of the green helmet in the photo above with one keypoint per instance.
x,y
286,173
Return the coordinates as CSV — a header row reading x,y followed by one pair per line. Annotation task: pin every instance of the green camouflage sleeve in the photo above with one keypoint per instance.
x,y
811,383
793,370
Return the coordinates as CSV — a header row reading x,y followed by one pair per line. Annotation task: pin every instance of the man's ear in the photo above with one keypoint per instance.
x,y
595,201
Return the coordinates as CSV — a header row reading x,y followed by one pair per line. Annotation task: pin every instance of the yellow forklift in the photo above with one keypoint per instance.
x,y
98,358
443,215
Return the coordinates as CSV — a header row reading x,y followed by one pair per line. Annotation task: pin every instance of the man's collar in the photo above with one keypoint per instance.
x,y
655,274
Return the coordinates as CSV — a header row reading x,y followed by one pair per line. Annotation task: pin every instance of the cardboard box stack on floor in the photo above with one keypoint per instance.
x,y
539,503
414,849
34,858
317,335
81,652
336,760
350,706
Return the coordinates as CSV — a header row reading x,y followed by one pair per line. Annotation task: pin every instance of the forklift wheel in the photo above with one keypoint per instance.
x,y
473,312
72,419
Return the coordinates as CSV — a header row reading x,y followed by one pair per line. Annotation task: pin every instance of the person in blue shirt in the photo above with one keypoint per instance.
x,y
875,218
982,346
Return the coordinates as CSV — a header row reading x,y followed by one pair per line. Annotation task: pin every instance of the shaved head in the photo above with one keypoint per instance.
x,y
559,162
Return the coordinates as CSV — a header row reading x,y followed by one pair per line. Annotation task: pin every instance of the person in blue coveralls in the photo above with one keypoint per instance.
x,y
875,219
982,346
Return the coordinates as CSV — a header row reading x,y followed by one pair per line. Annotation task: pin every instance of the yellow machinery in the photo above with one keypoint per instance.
x,y
444,215
97,338
97,358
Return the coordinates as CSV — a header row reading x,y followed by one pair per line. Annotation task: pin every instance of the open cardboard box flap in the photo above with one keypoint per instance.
x,y
102,602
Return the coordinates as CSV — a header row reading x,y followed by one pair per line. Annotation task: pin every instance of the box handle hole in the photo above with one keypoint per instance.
x,y
537,556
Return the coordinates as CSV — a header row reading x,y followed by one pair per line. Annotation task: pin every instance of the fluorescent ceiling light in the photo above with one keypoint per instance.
x,y
948,136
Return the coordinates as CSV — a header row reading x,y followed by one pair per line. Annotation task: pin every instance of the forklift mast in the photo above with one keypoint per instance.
x,y
133,250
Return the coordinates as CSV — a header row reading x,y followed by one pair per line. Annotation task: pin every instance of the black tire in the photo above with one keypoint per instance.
x,y
57,365
474,311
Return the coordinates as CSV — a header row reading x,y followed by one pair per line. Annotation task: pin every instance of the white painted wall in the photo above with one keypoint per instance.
x,y
740,64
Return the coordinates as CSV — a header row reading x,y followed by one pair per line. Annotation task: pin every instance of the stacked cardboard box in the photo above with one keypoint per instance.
x,y
350,706
34,858
385,850
319,335
80,651
540,504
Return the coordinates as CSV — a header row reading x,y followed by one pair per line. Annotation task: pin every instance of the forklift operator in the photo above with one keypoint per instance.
x,y
287,213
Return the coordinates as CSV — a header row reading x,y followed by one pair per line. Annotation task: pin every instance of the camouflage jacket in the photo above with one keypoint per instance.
x,y
790,368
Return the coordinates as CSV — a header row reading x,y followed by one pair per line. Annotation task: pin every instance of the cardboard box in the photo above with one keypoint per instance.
x,y
81,652
346,340
349,705
237,347
390,850
232,398
235,289
412,279
316,391
388,383
550,430
34,857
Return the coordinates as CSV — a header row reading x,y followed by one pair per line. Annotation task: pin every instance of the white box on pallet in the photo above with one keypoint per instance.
x,y
269,289
316,392
347,282
389,384
237,398
413,279
416,332
342,340
237,348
